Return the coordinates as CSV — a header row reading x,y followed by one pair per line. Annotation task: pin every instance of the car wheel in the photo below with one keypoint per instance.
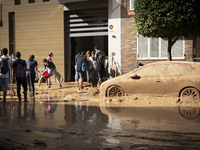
x,y
190,92
189,113
114,91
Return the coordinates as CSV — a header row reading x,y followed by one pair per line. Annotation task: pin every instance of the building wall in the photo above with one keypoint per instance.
x,y
114,35
38,30
128,38
129,41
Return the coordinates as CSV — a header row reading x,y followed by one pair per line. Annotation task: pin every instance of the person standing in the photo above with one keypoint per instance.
x,y
93,72
31,65
100,57
80,73
75,67
20,68
6,63
88,71
51,69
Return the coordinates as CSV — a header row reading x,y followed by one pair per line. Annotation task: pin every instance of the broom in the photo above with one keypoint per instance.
x,y
39,81
31,92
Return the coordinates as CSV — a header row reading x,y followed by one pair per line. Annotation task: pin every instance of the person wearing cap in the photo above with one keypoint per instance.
x,y
4,78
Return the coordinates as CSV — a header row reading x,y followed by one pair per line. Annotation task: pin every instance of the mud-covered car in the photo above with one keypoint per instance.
x,y
167,78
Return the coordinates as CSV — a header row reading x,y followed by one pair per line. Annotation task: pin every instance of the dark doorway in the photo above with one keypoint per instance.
x,y
84,29
79,44
11,33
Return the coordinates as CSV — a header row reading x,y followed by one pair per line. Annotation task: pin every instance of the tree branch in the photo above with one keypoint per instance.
x,y
173,41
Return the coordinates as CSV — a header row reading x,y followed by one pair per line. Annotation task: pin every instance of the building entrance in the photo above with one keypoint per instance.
x,y
84,29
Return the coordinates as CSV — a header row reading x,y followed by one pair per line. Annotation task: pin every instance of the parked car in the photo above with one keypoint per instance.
x,y
169,78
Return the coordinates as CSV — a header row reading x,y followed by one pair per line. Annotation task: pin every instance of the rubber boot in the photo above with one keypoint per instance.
x,y
25,97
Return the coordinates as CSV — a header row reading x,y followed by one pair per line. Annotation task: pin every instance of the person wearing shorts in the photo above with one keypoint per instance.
x,y
4,78
80,73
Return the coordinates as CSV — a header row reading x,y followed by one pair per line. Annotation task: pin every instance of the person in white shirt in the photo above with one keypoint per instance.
x,y
93,73
4,74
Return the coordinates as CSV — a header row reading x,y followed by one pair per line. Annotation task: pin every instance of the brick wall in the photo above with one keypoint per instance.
x,y
189,49
128,38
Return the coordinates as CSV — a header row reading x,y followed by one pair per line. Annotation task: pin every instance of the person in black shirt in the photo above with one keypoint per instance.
x,y
20,68
51,69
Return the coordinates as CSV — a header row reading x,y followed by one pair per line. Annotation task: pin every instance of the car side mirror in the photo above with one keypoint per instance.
x,y
133,75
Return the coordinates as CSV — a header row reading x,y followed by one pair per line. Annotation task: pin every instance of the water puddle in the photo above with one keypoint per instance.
x,y
101,125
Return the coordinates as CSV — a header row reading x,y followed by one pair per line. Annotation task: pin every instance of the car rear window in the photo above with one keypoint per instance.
x,y
179,69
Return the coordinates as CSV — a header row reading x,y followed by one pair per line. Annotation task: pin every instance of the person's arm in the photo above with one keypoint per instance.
x,y
36,66
25,68
45,67
10,63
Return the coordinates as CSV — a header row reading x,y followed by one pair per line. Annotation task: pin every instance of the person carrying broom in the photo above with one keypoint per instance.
x,y
30,75
51,70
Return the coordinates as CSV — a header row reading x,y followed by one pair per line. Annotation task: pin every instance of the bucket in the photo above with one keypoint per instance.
x,y
46,75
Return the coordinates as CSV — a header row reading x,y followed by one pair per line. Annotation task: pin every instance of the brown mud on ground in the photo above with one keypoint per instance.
x,y
68,93
83,120
92,94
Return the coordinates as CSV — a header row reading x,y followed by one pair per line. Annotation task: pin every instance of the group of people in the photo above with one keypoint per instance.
x,y
96,67
23,71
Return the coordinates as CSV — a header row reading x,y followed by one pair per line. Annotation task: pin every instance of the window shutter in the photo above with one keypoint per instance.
x,y
154,47
177,50
132,4
164,44
142,46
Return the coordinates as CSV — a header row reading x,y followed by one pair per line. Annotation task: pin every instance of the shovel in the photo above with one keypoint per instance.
x,y
31,92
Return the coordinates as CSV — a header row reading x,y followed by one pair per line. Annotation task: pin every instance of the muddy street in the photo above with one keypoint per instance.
x,y
64,119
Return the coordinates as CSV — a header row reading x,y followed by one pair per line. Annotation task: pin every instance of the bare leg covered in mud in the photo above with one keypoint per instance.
x,y
80,84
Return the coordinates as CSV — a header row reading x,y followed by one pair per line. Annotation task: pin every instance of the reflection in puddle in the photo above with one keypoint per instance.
x,y
127,127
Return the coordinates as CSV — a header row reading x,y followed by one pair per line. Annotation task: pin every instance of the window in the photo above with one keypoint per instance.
x,y
31,1
156,48
132,4
179,69
152,70
45,0
17,2
1,23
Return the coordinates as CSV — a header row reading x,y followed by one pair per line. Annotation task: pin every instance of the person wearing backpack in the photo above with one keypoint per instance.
x,y
33,66
94,70
20,68
5,64
100,57
81,61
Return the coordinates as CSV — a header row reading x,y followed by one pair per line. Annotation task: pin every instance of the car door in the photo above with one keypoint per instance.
x,y
176,77
150,80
